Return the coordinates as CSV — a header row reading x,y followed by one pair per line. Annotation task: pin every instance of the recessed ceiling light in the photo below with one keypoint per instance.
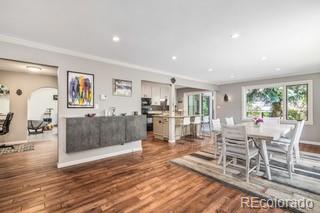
x,y
277,69
174,57
115,39
263,58
232,76
210,70
34,68
235,35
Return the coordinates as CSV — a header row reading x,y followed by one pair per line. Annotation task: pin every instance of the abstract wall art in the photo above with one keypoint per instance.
x,y
80,90
122,87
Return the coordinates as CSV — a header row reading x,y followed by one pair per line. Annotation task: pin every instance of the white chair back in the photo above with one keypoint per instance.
x,y
273,121
296,137
235,140
205,119
186,121
216,125
196,120
229,121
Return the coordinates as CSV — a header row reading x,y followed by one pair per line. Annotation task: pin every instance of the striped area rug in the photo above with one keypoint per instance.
x,y
23,147
305,183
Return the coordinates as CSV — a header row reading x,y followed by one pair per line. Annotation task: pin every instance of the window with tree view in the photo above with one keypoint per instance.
x,y
265,102
297,102
289,101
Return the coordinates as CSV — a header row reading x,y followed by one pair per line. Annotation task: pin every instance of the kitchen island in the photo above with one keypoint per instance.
x,y
161,126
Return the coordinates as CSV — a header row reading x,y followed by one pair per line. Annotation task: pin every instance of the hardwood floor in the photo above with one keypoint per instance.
x,y
138,182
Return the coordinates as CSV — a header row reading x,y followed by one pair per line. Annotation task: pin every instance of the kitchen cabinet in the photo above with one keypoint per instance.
x,y
146,91
156,95
156,92
165,93
161,127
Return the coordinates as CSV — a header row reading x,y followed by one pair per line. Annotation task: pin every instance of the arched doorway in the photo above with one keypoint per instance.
x,y
43,110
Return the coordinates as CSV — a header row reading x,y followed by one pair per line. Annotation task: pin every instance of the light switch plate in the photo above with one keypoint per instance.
x,y
103,97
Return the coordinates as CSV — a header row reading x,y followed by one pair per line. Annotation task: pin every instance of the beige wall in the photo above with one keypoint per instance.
x,y
18,104
104,73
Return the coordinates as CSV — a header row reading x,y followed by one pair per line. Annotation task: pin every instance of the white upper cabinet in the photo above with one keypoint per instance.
x,y
165,93
156,95
156,92
146,91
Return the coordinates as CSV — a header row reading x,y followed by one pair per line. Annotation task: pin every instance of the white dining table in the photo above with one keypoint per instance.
x,y
265,134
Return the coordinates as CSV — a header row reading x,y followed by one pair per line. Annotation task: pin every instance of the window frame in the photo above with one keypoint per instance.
x,y
285,104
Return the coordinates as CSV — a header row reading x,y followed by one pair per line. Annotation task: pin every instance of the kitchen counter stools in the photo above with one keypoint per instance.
x,y
195,124
185,123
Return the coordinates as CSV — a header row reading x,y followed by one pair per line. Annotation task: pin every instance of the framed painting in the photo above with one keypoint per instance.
x,y
122,87
80,90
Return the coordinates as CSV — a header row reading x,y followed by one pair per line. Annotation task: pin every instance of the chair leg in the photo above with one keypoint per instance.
x,y
289,164
220,158
224,160
247,169
217,146
297,153
234,161
258,163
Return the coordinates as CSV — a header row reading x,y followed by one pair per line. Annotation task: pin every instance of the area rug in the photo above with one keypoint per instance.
x,y
23,147
304,185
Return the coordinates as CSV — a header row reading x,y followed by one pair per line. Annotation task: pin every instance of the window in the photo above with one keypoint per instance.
x,y
297,102
264,102
194,104
197,103
289,101
205,105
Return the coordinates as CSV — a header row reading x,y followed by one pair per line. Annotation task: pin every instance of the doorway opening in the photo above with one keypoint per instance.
x,y
43,114
29,93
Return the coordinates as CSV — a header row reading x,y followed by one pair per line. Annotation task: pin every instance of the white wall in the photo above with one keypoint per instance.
x,y
104,72
39,101
4,104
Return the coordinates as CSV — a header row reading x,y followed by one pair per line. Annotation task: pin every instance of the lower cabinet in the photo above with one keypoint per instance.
x,y
136,128
89,133
111,131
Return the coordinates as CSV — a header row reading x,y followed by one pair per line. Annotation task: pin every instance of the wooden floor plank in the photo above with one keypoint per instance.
x,y
142,182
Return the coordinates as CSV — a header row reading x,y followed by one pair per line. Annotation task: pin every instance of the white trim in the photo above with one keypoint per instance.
x,y
284,85
13,142
51,48
98,157
311,143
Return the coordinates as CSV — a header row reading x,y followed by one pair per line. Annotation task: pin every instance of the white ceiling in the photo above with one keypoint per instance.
x,y
198,32
17,66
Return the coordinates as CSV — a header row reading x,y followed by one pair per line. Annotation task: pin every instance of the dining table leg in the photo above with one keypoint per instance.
x,y
265,158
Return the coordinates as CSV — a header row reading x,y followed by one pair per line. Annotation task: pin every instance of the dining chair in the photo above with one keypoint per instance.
x,y
288,147
184,125
271,121
229,121
216,129
196,121
236,145
5,128
206,125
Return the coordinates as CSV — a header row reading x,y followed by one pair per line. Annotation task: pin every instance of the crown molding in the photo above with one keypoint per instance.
x,y
50,48
265,78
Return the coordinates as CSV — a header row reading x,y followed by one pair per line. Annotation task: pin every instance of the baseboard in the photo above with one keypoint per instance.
x,y
13,142
311,143
99,157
